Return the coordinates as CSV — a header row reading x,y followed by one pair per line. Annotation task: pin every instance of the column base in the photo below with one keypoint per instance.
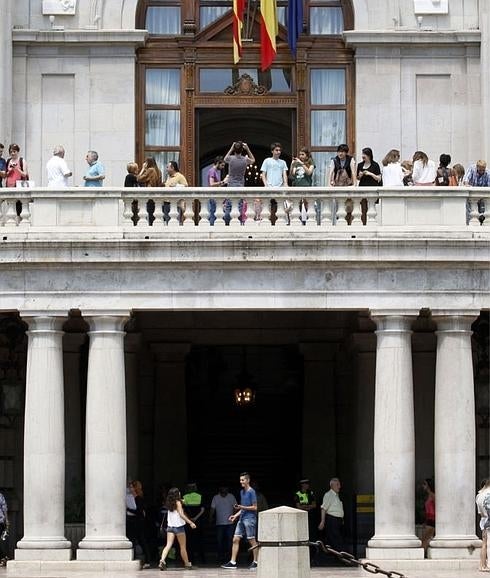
x,y
397,541
62,569
110,554
454,547
35,554
394,553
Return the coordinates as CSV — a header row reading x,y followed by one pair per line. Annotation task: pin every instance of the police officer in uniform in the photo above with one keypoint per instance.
x,y
304,499
193,505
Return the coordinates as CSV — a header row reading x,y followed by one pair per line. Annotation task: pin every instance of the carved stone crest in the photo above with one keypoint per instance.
x,y
59,7
245,86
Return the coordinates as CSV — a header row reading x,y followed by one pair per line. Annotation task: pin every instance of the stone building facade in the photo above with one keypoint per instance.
x,y
131,323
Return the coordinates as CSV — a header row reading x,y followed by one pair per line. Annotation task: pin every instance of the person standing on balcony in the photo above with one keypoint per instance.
x,y
342,171
368,170
175,179
131,179
3,165
95,173
301,173
392,172
150,175
477,175
215,180
274,174
16,167
424,170
238,159
57,170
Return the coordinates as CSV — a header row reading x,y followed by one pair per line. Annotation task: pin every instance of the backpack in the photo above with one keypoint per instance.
x,y
443,176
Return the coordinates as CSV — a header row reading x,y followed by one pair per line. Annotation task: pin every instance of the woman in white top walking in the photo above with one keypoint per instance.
x,y
176,521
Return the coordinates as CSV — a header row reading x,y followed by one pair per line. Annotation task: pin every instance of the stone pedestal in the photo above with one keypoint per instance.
x,y
454,441
394,443
44,444
105,457
285,525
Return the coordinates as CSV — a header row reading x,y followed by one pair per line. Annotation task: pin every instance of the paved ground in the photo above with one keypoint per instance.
x,y
241,573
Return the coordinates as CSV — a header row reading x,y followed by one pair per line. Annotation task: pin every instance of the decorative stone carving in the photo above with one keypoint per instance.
x,y
245,86
59,7
431,6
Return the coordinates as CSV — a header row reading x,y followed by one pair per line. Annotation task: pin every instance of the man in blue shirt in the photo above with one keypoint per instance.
x,y
95,173
247,522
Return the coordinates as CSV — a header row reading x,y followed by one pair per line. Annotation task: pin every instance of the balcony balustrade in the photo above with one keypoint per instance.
x,y
131,212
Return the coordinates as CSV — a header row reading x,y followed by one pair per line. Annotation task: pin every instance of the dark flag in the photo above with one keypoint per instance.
x,y
295,23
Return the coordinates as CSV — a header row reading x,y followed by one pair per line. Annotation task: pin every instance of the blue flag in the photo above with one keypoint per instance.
x,y
295,23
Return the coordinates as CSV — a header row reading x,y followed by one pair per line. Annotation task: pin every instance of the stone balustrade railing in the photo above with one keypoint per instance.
x,y
219,209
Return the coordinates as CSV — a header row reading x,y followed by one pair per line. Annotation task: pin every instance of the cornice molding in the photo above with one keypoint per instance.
x,y
79,36
357,38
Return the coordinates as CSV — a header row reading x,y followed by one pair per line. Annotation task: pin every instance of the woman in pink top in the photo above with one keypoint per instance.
x,y
16,167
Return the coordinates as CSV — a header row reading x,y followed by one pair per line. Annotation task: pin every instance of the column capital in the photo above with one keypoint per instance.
x,y
44,322
454,321
106,322
393,322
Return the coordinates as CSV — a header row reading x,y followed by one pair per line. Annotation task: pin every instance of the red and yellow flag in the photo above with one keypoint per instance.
x,y
238,10
268,32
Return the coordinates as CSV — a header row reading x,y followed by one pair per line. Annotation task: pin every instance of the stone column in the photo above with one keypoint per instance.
x,y
394,442
484,19
6,69
454,440
105,446
44,443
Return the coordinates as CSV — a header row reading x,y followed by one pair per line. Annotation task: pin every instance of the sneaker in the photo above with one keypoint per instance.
x,y
253,566
189,566
229,566
146,566
162,565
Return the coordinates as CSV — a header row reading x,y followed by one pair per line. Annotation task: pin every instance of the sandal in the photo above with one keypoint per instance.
x,y
162,565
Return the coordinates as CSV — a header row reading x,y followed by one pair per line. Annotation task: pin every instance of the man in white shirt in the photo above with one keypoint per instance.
x,y
332,516
223,506
57,169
